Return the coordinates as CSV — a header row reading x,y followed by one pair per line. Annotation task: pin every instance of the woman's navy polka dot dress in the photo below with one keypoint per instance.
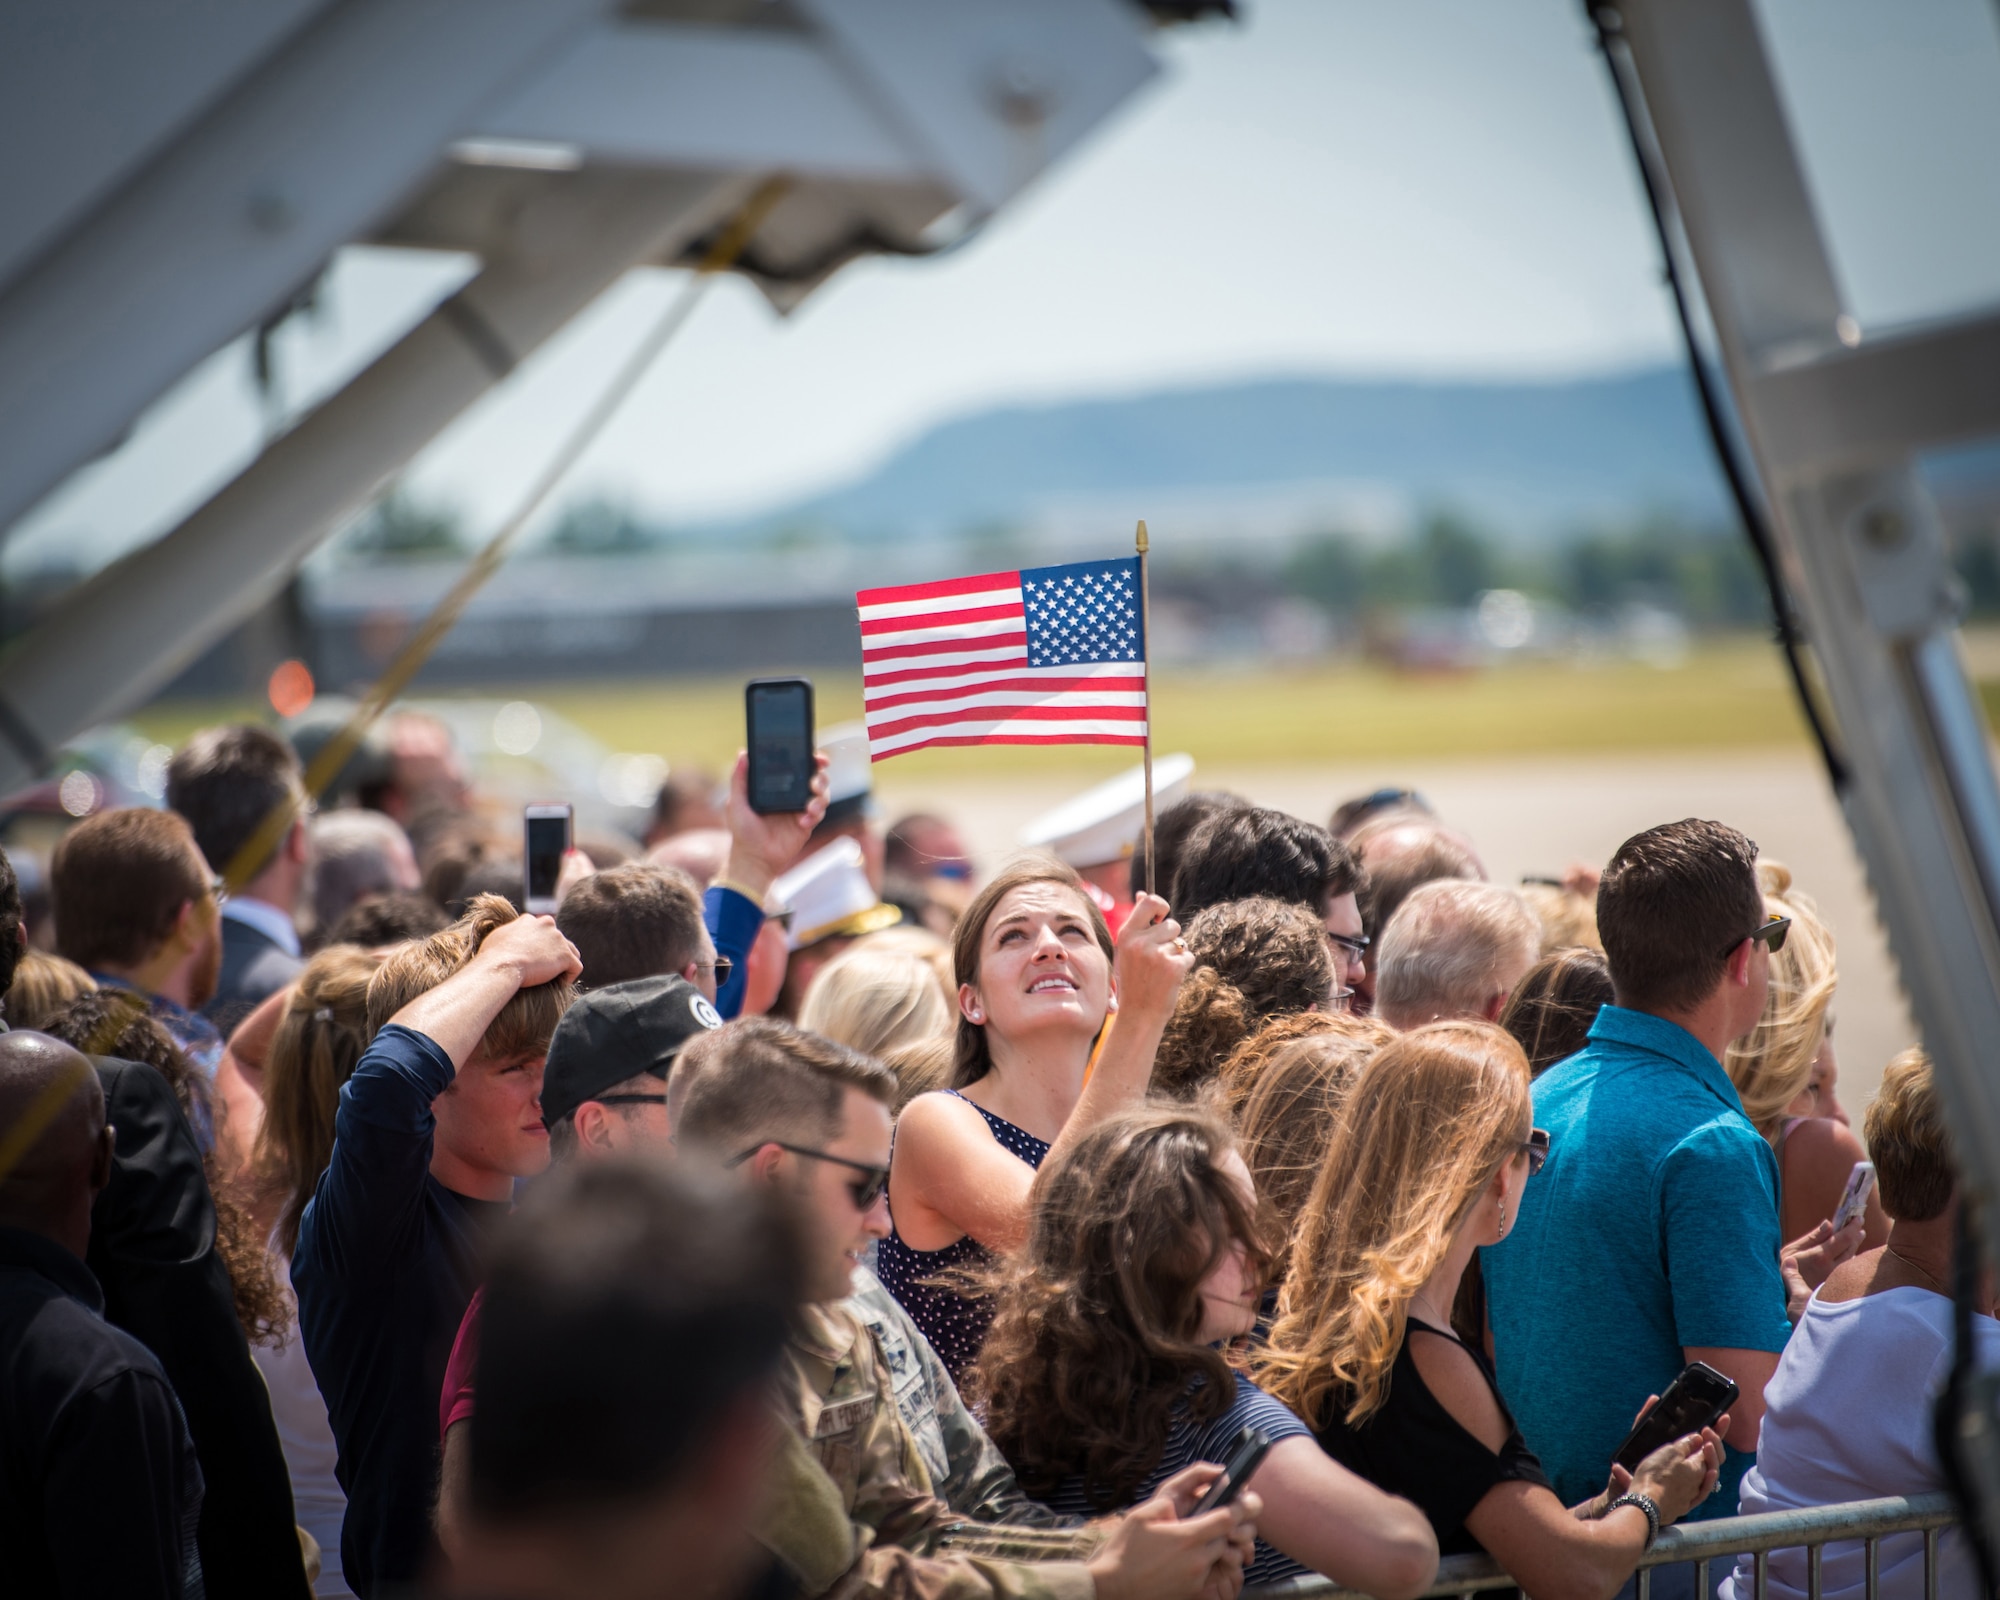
x,y
954,1323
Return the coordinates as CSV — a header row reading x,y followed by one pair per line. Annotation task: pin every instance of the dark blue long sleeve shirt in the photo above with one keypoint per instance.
x,y
734,921
383,1271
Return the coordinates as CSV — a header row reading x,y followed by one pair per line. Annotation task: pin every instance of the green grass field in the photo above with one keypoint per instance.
x,y
1730,694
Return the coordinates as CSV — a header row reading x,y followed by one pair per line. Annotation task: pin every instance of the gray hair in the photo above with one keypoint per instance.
x,y
1442,949
354,855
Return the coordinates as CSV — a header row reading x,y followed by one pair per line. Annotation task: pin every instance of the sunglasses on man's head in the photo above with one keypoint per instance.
x,y
866,1189
1772,934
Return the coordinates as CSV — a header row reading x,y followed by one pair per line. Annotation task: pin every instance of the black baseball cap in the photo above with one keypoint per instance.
x,y
618,1032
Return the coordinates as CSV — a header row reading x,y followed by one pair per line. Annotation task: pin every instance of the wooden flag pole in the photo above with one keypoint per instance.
x,y
1146,638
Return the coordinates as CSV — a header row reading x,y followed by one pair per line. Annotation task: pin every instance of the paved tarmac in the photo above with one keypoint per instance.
x,y
1535,816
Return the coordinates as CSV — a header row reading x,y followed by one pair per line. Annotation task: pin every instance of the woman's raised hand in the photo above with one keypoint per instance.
x,y
1150,959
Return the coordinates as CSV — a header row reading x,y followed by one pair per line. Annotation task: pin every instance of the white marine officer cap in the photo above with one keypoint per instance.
x,y
850,776
828,893
1102,825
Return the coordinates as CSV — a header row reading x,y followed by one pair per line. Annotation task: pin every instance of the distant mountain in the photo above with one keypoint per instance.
x,y
1532,459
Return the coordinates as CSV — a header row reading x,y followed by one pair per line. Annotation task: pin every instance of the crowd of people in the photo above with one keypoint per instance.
x,y
796,1212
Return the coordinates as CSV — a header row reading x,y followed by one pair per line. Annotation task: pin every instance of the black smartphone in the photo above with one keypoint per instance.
x,y
545,841
779,717
1246,1455
1693,1401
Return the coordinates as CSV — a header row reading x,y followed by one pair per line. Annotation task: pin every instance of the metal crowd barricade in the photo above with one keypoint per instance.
x,y
1707,1543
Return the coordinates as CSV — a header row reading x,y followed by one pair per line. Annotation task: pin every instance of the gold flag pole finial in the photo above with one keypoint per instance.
x,y
1144,546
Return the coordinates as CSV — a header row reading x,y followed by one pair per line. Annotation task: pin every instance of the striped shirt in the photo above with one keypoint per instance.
x,y
1189,1441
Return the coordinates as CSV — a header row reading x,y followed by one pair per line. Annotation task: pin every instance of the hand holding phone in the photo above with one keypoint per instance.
x,y
1854,1198
1693,1401
1246,1455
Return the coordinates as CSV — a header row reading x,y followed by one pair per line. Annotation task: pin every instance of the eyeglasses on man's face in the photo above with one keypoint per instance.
x,y
1771,934
721,966
218,887
865,1189
1354,944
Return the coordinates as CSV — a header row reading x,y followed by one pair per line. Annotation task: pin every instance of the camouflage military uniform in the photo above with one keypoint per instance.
x,y
967,1470
853,1512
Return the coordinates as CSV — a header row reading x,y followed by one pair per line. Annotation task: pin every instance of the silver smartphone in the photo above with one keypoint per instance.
x,y
545,840
1854,1198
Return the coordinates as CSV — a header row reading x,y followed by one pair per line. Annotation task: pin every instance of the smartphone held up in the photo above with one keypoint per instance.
x,y
778,716
546,833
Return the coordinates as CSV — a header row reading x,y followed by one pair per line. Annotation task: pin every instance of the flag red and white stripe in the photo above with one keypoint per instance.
x,y
948,663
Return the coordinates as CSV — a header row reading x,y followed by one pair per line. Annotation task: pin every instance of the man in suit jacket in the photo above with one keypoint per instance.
x,y
229,783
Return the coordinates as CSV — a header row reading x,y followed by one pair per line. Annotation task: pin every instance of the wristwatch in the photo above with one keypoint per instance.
x,y
1645,1503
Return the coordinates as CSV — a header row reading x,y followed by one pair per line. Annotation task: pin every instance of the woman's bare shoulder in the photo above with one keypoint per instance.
x,y
1820,1147
1453,1377
939,1119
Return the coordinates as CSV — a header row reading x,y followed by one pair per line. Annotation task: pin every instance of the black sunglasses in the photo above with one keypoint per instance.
x,y
1772,934
1537,1146
866,1189
722,966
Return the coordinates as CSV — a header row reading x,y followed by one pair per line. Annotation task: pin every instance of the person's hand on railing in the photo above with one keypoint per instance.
x,y
1809,1260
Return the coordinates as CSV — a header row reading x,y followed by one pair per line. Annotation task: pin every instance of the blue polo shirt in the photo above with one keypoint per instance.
x,y
1653,1227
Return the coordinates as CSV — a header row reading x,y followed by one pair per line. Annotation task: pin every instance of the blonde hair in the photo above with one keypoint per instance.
x,y
876,1001
527,1022
44,983
319,1040
1430,1120
914,939
1774,1061
1910,1142
1568,919
1287,1096
919,1068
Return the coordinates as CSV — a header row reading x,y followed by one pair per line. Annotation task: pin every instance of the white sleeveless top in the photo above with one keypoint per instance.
x,y
1848,1417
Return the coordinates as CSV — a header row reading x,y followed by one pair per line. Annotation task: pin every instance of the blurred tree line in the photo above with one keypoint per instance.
x,y
1706,575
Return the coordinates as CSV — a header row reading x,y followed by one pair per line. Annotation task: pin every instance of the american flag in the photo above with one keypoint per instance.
x,y
1047,655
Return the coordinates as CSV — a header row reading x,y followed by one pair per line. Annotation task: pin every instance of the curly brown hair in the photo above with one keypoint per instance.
x,y
1254,959
1096,1336
116,1022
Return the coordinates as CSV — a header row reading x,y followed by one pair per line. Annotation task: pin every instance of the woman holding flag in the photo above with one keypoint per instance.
x,y
1039,979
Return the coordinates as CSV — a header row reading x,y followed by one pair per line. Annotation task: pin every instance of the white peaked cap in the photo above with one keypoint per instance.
x,y
849,775
829,893
1102,825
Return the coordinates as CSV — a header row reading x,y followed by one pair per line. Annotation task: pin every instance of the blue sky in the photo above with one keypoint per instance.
x,y
1329,186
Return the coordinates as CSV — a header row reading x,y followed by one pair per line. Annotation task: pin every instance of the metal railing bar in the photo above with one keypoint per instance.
x,y
1814,1553
1702,1542
1872,1588
1701,1588
1760,1570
